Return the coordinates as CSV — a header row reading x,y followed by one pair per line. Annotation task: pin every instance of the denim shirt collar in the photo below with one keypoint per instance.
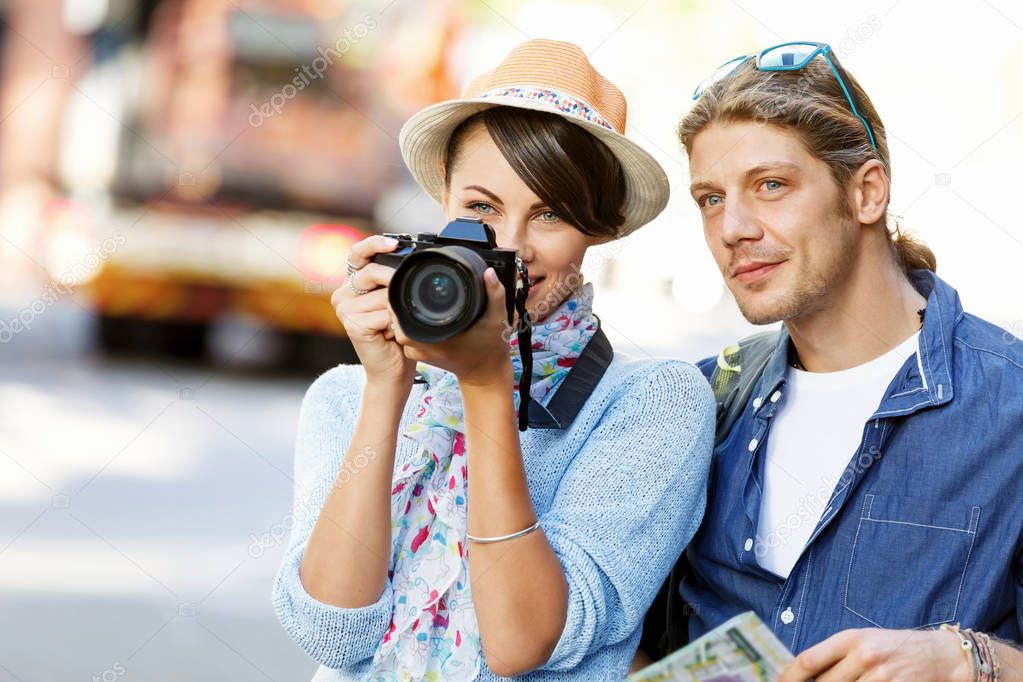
x,y
926,380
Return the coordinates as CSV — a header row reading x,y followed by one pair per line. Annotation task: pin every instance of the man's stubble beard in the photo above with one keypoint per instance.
x,y
810,290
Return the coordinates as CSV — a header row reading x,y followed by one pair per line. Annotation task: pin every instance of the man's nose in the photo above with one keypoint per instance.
x,y
739,223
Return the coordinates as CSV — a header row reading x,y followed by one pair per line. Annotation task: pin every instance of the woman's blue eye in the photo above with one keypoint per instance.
x,y
481,207
548,216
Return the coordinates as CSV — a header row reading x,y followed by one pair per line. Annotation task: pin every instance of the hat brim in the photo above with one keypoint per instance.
x,y
424,140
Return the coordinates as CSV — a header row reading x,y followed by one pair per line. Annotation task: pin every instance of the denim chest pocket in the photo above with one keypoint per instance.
x,y
909,560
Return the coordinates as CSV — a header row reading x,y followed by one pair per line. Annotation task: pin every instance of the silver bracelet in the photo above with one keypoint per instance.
x,y
502,538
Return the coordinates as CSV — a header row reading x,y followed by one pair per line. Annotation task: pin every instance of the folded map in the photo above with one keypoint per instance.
x,y
741,650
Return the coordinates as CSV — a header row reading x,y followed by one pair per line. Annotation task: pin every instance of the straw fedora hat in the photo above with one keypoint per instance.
x,y
544,75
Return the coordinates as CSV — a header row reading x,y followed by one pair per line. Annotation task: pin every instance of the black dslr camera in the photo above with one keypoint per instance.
x,y
438,290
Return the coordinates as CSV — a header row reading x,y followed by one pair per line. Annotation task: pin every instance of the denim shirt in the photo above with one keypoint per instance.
x,y
924,525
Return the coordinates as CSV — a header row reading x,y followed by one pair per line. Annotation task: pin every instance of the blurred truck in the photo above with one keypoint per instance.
x,y
231,152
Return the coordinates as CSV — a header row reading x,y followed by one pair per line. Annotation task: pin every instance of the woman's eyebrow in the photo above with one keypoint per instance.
x,y
483,190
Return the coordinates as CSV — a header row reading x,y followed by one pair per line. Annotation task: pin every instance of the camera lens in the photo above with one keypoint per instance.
x,y
438,294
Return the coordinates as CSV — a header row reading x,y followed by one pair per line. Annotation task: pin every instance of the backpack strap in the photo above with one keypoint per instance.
x,y
739,367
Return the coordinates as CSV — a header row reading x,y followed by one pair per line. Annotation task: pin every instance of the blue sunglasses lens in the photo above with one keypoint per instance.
x,y
720,73
786,57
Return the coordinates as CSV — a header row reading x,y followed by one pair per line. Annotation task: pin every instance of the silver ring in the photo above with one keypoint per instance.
x,y
357,290
351,269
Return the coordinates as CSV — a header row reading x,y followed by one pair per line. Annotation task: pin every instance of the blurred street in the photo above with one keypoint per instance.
x,y
143,507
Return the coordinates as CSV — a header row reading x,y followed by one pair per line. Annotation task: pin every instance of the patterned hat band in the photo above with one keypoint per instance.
x,y
566,104
550,76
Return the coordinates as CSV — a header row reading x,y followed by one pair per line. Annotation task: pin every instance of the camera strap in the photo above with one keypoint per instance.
x,y
525,334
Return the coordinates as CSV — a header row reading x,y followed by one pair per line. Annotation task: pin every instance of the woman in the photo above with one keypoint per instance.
x,y
573,525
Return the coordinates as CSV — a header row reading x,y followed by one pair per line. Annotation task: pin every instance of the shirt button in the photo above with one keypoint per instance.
x,y
749,544
757,402
787,616
753,444
776,396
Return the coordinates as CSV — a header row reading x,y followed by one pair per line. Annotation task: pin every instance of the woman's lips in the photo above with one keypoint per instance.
x,y
752,272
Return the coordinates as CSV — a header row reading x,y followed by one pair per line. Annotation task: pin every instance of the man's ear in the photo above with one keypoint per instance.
x,y
871,191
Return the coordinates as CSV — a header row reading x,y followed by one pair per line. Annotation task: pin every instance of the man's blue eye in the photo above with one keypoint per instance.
x,y
772,185
713,200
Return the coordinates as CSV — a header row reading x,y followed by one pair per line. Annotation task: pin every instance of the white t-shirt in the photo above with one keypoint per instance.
x,y
814,435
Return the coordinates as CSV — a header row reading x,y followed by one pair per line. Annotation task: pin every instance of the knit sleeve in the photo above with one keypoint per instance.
x,y
334,637
628,505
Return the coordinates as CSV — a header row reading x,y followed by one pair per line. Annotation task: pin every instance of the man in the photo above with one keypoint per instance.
x,y
865,489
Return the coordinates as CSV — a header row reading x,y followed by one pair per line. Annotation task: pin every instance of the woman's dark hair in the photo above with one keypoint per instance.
x,y
569,169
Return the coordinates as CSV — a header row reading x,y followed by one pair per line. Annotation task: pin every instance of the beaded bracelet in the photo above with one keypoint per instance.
x,y
995,665
983,670
980,651
966,644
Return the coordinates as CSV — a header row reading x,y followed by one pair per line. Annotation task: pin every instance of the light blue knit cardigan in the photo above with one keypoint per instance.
x,y
619,494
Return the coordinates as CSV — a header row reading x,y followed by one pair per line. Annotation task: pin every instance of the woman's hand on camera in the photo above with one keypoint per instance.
x,y
477,356
367,317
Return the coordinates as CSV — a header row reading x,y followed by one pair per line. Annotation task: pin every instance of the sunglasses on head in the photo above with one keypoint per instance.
x,y
789,57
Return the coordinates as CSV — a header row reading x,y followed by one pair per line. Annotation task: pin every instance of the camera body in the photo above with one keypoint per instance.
x,y
437,289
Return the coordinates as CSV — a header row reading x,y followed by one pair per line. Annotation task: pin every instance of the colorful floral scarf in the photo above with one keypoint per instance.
x,y
433,633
